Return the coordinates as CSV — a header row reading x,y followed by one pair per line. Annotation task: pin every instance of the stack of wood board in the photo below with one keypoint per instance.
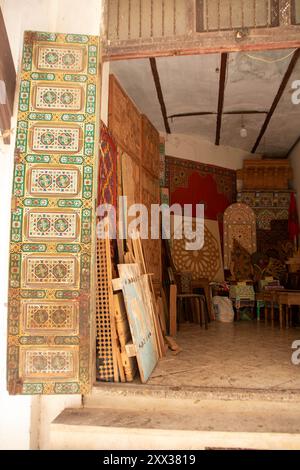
x,y
138,165
113,332
140,311
129,363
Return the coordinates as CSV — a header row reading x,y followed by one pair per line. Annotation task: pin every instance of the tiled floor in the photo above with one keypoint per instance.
x,y
240,355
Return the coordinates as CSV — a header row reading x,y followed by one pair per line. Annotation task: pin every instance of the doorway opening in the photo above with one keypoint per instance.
x,y
218,130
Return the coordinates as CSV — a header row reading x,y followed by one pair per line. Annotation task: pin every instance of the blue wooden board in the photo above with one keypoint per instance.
x,y
139,308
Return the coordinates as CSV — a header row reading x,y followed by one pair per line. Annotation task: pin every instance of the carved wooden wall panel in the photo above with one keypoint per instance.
x,y
150,194
239,225
138,163
266,174
124,119
150,147
204,263
52,241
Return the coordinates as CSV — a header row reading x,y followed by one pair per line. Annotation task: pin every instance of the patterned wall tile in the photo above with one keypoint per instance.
x,y
50,271
60,98
54,181
54,57
50,317
52,225
46,364
58,139
51,222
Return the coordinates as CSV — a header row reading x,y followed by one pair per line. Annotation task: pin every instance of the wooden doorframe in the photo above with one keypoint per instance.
x,y
283,37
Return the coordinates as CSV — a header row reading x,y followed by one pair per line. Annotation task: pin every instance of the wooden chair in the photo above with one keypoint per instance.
x,y
190,306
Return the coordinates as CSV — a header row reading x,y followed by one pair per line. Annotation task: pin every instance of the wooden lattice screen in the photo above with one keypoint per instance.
x,y
104,315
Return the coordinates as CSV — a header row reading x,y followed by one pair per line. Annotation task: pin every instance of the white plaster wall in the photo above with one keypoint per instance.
x,y
295,162
199,150
24,421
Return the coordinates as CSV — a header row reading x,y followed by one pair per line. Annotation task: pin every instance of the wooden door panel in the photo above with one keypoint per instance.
x,y
52,237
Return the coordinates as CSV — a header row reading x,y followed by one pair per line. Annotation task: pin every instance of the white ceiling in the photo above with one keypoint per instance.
x,y
190,84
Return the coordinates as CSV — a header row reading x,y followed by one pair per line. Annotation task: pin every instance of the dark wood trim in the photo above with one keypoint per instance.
x,y
293,12
212,113
293,147
223,70
277,98
283,37
159,93
199,16
285,12
275,13
191,13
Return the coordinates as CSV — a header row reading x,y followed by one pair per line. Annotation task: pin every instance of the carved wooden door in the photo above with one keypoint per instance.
x,y
52,229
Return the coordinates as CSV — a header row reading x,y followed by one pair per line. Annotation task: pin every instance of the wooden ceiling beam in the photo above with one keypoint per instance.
x,y
159,93
211,113
277,98
224,59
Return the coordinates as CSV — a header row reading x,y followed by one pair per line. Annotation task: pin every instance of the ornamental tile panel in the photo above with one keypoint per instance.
x,y
56,139
48,317
52,217
58,97
54,181
45,364
60,58
50,271
52,225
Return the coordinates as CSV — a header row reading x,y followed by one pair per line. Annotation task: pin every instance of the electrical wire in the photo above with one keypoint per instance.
x,y
270,61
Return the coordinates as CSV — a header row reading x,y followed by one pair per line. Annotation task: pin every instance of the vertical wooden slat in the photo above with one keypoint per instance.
x,y
162,17
207,16
190,13
140,18
129,19
224,14
242,13
293,12
182,17
165,18
173,310
123,20
112,27
135,20
146,19
118,19
285,7
268,14
199,16
230,14
156,18
151,20
168,18
105,19
174,17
